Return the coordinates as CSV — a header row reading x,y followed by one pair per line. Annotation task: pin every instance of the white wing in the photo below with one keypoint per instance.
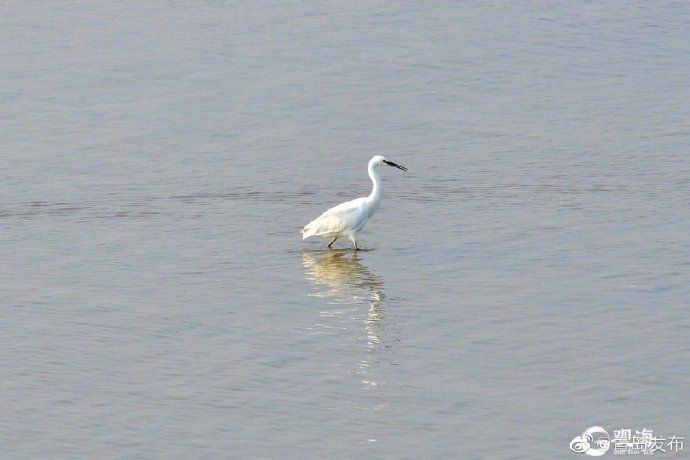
x,y
345,216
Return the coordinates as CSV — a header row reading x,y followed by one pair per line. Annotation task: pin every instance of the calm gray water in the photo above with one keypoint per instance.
x,y
525,280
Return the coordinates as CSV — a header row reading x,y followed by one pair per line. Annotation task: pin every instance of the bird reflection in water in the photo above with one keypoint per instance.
x,y
348,285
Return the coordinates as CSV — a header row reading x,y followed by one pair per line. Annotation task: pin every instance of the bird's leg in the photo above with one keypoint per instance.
x,y
330,245
354,241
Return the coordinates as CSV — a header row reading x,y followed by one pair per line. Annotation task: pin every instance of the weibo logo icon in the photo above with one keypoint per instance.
x,y
595,441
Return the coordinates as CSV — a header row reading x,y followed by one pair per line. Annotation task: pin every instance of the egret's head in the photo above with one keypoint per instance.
x,y
381,160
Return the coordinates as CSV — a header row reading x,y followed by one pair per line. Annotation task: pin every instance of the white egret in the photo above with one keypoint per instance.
x,y
349,218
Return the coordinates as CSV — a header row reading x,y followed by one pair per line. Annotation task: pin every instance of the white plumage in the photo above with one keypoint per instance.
x,y
349,218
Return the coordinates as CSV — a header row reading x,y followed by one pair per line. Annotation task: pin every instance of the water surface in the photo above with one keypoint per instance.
x,y
526,278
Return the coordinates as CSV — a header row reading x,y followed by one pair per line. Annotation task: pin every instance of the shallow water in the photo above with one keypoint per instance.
x,y
526,278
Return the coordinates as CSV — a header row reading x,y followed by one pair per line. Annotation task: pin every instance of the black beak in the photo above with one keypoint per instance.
x,y
390,163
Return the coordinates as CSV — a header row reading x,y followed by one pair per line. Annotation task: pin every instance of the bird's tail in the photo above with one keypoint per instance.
x,y
308,231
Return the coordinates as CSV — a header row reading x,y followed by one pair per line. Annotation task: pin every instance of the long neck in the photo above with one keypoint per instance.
x,y
375,195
